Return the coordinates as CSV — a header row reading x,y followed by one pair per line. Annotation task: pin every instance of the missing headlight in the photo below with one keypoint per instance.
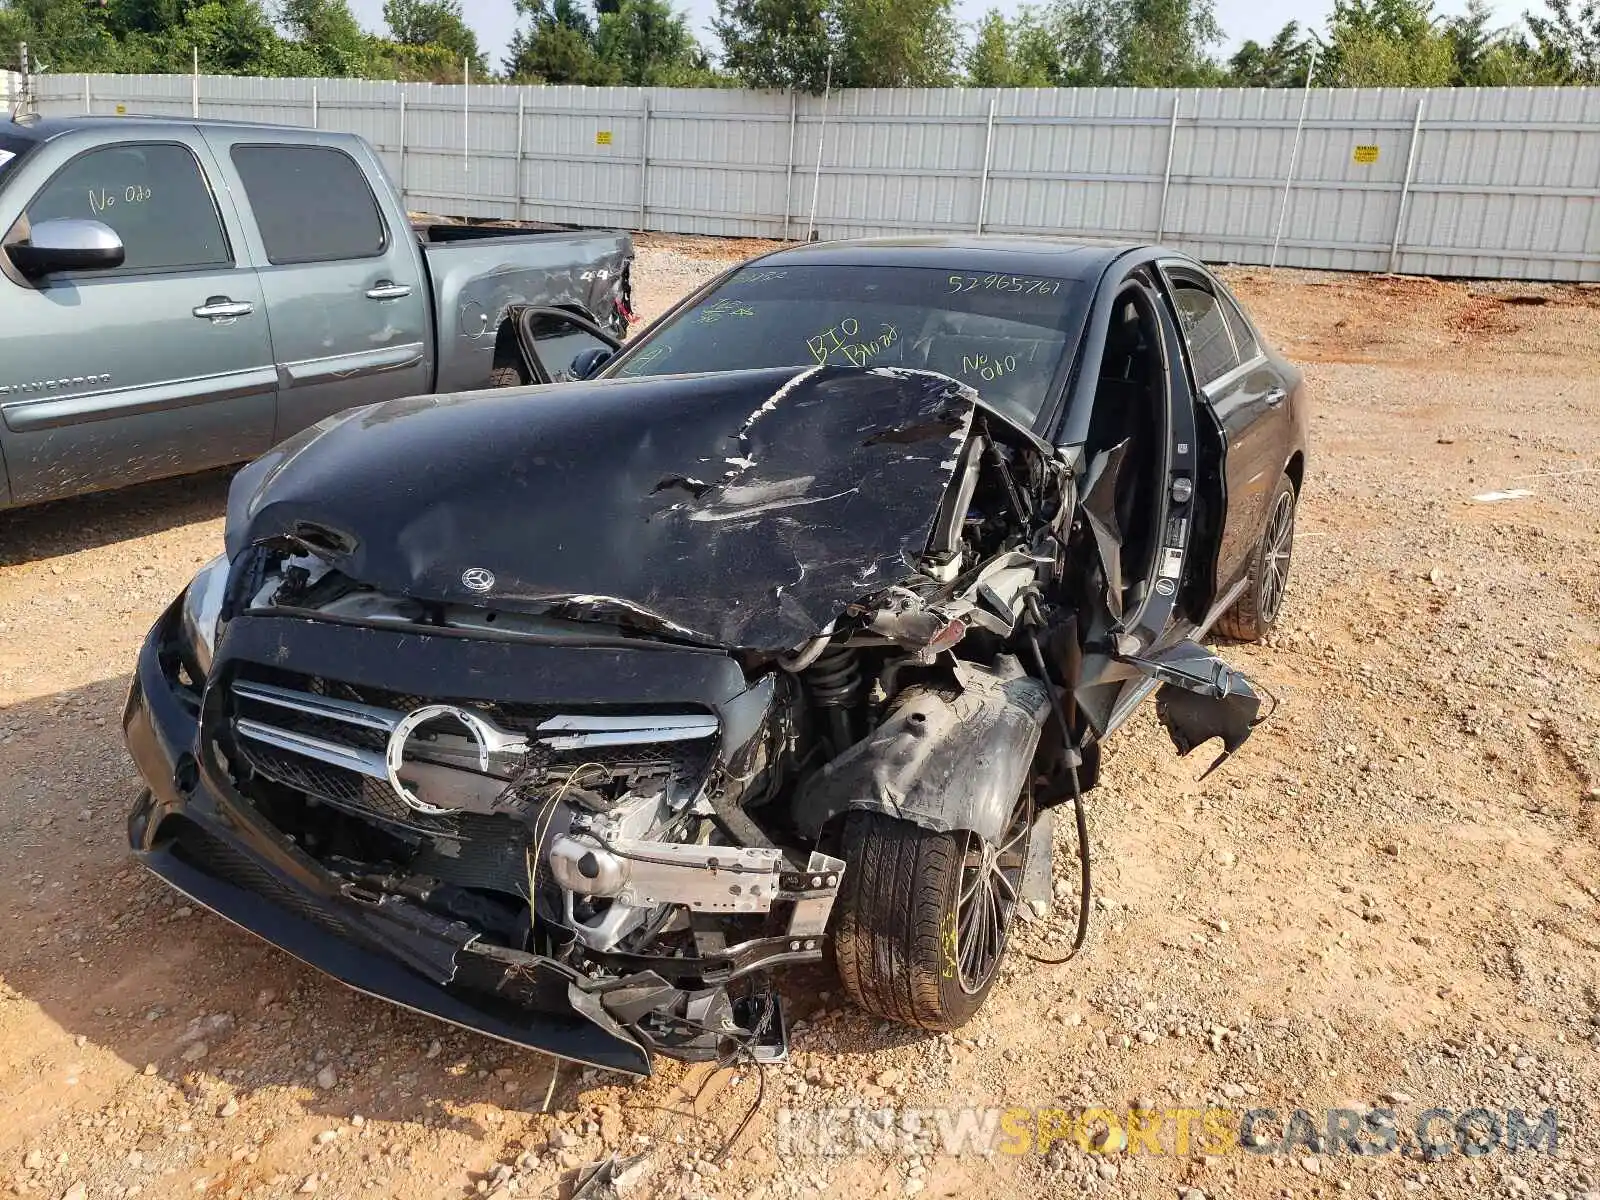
x,y
202,607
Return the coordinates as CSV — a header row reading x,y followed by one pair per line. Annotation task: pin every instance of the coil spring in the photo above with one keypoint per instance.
x,y
835,678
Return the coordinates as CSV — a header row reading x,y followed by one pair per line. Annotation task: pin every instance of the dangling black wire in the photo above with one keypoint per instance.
x,y
1085,881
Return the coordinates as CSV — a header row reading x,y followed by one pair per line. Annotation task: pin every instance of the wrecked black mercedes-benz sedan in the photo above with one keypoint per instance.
x,y
570,713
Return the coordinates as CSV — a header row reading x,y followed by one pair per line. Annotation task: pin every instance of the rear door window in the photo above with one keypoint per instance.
x,y
1205,329
153,194
312,203
1244,337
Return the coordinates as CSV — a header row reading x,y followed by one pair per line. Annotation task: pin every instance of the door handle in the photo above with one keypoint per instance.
x,y
1276,397
220,309
388,290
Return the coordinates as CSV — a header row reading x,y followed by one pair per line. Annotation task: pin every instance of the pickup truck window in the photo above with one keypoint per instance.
x,y
153,194
1003,335
311,203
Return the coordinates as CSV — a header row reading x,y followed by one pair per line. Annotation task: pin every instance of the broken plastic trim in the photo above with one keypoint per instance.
x,y
1201,697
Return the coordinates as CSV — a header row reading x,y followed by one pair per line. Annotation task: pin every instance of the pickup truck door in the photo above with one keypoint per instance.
x,y
342,273
161,366
1244,394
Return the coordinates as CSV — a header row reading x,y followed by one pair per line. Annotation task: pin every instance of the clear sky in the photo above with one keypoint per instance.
x,y
1241,19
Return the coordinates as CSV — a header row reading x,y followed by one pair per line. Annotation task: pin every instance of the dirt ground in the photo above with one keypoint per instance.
x,y
1387,899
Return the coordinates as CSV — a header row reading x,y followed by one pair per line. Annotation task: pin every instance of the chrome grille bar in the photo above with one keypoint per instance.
x,y
687,725
351,758
368,716
571,731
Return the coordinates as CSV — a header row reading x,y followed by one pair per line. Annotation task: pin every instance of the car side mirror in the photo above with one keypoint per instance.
x,y
67,245
591,360
550,336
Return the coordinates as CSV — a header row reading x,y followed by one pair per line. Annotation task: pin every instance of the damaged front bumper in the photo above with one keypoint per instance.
x,y
197,832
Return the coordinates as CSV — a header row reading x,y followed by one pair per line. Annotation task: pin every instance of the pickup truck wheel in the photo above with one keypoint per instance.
x,y
506,376
1255,614
923,917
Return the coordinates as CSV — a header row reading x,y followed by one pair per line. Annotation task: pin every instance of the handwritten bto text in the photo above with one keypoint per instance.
x,y
100,199
1003,283
724,308
841,342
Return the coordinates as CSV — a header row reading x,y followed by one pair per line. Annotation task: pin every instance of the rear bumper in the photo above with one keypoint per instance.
x,y
194,831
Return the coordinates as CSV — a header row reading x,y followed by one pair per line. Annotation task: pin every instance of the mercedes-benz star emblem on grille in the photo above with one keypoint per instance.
x,y
477,579
485,737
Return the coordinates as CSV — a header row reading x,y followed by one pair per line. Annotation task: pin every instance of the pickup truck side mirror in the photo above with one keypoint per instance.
x,y
558,345
67,245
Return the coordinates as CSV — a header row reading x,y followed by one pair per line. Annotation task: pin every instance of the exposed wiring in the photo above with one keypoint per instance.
x,y
750,1114
1085,878
742,1049
1085,883
549,1092
535,853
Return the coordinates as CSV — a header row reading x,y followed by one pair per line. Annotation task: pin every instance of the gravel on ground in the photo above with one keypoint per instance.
x,y
1386,902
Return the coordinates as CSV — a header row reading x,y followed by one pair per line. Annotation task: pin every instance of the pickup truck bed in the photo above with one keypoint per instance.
x,y
244,282
482,276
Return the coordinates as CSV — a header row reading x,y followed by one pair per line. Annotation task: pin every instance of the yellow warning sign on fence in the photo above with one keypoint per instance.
x,y
602,137
1366,154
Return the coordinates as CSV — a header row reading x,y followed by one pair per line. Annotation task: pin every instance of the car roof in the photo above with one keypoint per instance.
x,y
43,129
1059,257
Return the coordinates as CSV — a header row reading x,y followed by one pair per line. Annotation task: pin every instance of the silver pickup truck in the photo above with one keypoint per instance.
x,y
179,295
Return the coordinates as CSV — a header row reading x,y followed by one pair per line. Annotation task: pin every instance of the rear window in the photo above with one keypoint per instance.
x,y
1244,337
1211,350
1003,335
312,203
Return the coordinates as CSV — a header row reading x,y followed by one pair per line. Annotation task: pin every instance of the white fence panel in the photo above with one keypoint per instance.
x,y
1498,182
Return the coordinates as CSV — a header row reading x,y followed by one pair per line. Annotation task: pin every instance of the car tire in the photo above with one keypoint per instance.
x,y
1255,614
903,939
506,376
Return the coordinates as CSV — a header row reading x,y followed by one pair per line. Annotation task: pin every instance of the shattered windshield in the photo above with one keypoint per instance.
x,y
1003,335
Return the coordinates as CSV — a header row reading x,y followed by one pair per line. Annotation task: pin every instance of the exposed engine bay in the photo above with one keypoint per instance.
x,y
647,852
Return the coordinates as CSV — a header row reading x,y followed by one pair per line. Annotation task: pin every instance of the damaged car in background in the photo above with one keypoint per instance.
x,y
571,714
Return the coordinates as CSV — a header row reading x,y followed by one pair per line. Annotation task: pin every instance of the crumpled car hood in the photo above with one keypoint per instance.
x,y
744,509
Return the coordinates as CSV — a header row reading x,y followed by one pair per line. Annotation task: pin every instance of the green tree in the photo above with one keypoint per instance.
x,y
1281,63
62,35
1385,43
647,44
1165,45
556,47
1010,53
328,33
1568,39
895,43
235,37
1486,56
860,43
1124,43
435,25
776,43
